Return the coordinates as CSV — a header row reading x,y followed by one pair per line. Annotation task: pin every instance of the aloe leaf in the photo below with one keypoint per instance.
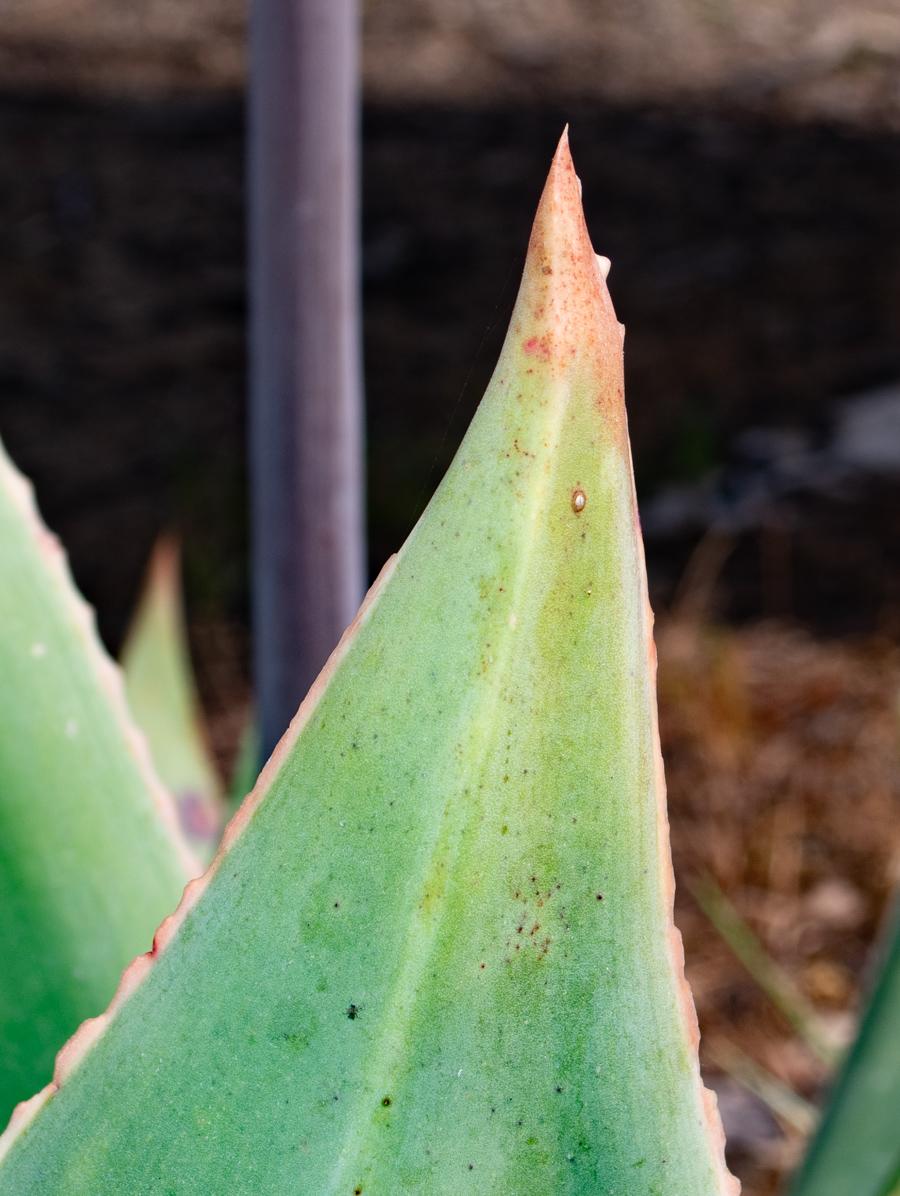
x,y
162,696
435,953
857,1149
246,765
90,853
893,1186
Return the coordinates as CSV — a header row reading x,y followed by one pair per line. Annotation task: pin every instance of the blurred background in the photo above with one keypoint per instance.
x,y
741,168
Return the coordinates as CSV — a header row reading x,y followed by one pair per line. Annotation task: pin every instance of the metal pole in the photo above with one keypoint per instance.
x,y
305,370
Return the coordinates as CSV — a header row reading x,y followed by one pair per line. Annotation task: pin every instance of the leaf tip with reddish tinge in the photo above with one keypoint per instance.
x,y
564,320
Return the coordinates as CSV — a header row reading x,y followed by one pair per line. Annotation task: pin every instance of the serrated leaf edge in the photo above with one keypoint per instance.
x,y
108,673
92,1030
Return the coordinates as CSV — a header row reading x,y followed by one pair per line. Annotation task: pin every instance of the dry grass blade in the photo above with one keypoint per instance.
x,y
799,1114
774,982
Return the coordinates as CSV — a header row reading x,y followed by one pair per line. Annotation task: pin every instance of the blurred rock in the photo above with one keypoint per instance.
x,y
836,903
770,464
800,58
867,431
746,1120
805,59
124,47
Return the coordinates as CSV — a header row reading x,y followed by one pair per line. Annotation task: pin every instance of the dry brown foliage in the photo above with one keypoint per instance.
x,y
784,783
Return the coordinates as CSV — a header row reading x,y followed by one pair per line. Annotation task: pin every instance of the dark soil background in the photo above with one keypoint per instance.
x,y
756,266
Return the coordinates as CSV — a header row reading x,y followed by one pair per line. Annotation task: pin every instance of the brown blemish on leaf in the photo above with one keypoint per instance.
x,y
538,347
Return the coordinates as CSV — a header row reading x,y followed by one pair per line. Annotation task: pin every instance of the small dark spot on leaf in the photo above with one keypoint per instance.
x,y
337,904
558,1089
482,965
599,896
471,1166
386,1101
352,1012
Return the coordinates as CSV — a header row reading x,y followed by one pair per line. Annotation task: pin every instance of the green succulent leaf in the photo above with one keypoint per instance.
x,y
857,1149
162,696
435,953
247,762
90,853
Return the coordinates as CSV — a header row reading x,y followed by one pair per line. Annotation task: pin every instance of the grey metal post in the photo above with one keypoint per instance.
x,y
305,371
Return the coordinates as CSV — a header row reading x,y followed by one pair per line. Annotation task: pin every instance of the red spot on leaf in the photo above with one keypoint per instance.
x,y
537,346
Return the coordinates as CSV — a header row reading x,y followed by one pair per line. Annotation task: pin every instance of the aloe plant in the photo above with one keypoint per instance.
x,y
435,952
246,765
162,696
90,852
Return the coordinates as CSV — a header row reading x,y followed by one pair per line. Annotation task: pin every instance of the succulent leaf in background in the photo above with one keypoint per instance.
x,y
247,763
435,952
857,1149
162,696
90,852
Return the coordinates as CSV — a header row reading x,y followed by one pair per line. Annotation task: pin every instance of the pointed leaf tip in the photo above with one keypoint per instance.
x,y
162,694
564,319
441,954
